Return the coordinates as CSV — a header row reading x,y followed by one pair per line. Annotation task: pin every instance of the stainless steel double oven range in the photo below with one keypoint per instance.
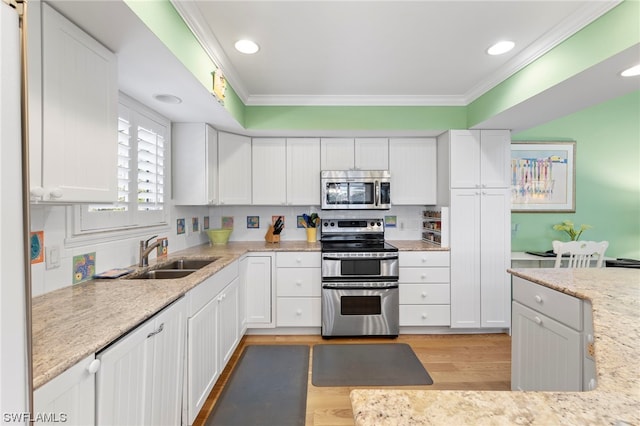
x,y
359,279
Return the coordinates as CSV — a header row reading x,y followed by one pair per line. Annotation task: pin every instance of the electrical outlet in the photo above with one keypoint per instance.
x,y
52,257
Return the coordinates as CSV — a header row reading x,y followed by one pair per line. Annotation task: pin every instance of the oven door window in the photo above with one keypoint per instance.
x,y
360,305
360,267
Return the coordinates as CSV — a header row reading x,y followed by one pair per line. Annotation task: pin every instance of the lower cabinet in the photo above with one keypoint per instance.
x,y
299,285
424,288
70,397
140,376
551,342
255,277
213,330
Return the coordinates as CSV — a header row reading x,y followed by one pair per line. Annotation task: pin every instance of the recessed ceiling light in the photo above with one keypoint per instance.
x,y
167,99
501,47
631,72
246,46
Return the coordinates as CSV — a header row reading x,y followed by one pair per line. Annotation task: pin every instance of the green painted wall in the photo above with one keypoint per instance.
x,y
607,178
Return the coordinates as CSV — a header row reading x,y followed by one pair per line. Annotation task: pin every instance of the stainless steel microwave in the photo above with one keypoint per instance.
x,y
355,189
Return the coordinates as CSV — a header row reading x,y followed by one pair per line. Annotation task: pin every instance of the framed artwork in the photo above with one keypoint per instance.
x,y
180,226
253,222
543,177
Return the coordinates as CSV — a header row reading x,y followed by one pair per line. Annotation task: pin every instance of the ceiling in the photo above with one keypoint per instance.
x,y
378,52
354,53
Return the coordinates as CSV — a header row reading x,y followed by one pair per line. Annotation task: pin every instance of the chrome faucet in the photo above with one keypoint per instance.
x,y
146,249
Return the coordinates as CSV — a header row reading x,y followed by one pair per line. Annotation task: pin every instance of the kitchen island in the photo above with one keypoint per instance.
x,y
614,294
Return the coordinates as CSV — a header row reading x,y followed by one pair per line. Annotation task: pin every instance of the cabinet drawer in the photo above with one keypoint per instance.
x,y
299,282
424,294
298,259
424,275
201,294
428,315
424,258
298,312
559,306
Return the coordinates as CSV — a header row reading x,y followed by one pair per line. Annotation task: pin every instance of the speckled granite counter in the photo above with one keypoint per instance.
x,y
615,297
74,322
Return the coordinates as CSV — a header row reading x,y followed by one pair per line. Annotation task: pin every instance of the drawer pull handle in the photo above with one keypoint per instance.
x,y
538,299
423,276
298,283
94,366
159,330
424,294
424,316
299,312
424,260
537,320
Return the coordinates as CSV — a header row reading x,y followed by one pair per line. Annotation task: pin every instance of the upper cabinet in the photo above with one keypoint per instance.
x,y
234,167
412,164
481,158
358,153
195,164
303,171
269,158
73,95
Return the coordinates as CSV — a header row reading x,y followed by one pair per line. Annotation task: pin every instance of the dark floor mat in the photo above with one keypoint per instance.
x,y
267,387
393,364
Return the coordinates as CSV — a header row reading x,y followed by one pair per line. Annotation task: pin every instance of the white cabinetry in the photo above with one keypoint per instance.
x,y
358,153
213,328
480,238
269,159
424,288
234,168
73,112
255,277
303,171
412,164
551,339
71,394
140,376
299,283
195,164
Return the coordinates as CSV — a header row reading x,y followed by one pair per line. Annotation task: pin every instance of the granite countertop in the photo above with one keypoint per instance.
x,y
74,322
615,297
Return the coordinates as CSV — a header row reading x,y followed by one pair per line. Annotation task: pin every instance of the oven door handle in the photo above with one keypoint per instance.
x,y
393,257
329,286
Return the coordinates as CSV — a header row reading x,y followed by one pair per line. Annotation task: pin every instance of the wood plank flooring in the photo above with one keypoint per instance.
x,y
455,362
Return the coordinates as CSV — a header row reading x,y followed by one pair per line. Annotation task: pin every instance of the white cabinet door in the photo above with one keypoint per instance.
x,y
545,353
303,171
256,276
495,158
465,159
465,258
195,164
70,397
412,164
495,257
269,162
337,154
234,168
203,357
140,377
78,150
371,154
229,323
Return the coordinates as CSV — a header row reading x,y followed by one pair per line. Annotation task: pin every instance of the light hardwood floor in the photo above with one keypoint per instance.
x,y
454,362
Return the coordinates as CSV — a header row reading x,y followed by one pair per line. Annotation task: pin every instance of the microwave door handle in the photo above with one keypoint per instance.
x,y
377,194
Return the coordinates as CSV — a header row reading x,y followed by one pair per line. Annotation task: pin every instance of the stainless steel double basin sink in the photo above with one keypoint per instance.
x,y
175,269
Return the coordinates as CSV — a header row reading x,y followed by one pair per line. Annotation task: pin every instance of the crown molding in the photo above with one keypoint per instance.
x,y
353,100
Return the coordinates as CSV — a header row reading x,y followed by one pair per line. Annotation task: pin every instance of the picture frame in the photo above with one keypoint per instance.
x,y
543,176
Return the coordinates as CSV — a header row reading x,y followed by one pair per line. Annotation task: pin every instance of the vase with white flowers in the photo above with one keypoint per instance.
x,y
568,227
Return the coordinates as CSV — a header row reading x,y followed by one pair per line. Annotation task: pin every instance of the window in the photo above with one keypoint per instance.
x,y
143,142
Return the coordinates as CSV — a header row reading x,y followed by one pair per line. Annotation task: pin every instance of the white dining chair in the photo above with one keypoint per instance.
x,y
581,253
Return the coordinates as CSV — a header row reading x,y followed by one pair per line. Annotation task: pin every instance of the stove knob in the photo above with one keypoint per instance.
x,y
325,224
379,223
333,224
373,224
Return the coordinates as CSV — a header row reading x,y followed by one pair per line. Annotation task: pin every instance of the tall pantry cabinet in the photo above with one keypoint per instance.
x,y
473,181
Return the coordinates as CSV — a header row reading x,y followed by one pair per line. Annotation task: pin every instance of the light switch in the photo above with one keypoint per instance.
x,y
52,257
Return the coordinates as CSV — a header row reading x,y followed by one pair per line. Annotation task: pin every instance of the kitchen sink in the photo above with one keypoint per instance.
x,y
186,264
161,274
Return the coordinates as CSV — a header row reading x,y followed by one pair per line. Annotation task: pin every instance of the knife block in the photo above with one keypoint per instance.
x,y
270,237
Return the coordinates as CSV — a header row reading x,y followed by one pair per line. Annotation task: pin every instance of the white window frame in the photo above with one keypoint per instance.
x,y
84,226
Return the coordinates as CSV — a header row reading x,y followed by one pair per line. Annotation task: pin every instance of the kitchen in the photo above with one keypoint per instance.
x,y
618,112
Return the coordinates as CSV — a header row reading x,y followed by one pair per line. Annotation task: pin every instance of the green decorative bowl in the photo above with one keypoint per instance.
x,y
219,236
